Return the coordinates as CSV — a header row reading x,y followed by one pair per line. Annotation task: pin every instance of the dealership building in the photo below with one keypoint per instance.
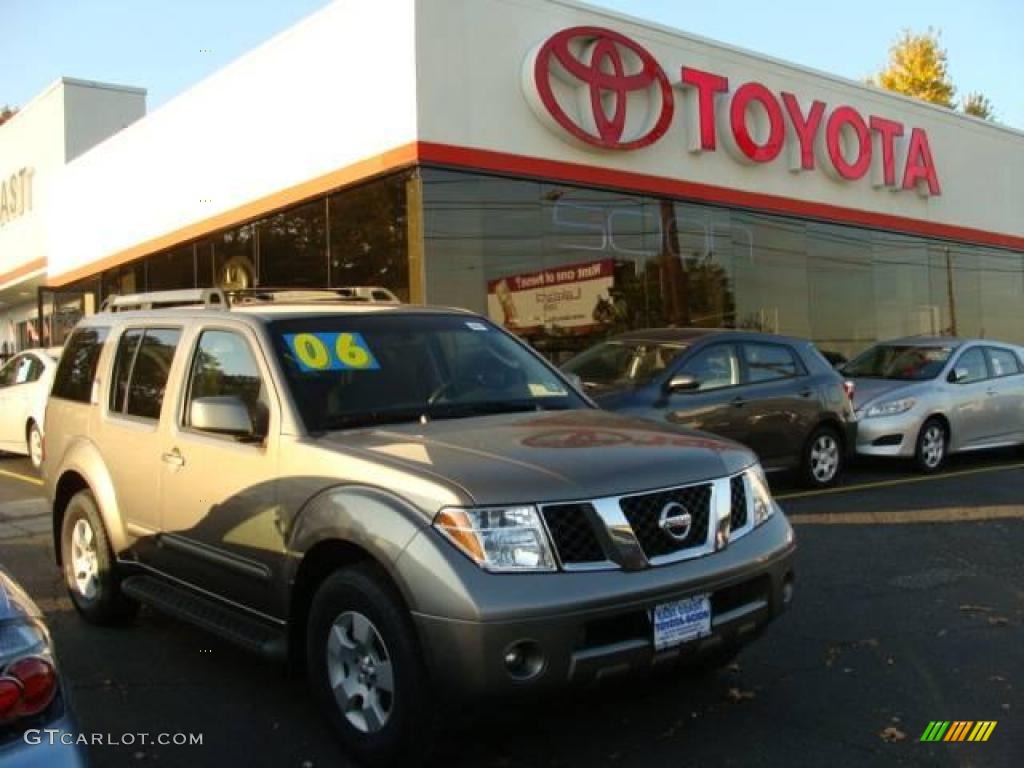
x,y
569,171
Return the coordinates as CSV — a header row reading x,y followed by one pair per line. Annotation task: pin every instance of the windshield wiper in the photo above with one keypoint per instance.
x,y
487,408
373,418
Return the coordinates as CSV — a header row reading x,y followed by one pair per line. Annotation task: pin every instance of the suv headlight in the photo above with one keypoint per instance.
x,y
890,408
499,539
764,504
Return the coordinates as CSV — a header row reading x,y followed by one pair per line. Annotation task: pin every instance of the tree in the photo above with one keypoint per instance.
x,y
6,113
977,104
917,67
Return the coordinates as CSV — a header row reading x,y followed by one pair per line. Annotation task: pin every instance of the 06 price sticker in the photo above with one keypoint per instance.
x,y
331,352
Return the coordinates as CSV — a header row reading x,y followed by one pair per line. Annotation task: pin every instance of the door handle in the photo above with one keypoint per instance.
x,y
174,459
990,392
807,393
738,402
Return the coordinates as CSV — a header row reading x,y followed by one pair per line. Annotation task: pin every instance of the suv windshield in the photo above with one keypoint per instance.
x,y
900,361
622,363
359,370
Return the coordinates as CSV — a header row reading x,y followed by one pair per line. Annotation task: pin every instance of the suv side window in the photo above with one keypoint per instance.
x,y
770,362
715,367
224,366
127,346
972,362
149,372
1002,361
77,367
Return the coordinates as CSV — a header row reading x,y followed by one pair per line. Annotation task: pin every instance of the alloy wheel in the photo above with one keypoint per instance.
x,y
35,446
933,446
360,671
85,570
824,458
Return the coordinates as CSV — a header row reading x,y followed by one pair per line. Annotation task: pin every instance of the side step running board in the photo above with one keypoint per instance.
x,y
233,625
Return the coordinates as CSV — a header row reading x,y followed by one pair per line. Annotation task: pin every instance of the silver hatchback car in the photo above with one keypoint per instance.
x,y
925,398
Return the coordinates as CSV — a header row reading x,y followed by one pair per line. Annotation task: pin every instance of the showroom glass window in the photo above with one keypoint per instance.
x,y
568,266
369,237
169,270
293,247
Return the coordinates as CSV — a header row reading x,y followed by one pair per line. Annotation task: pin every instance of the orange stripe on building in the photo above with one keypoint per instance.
x,y
502,162
484,160
24,269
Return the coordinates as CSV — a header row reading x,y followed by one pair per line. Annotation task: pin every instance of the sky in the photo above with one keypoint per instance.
x,y
162,45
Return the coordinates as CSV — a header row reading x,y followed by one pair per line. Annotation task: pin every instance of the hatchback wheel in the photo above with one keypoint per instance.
x,y
366,670
823,458
34,444
932,442
89,567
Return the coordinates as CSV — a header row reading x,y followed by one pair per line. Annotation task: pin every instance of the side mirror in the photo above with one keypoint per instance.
x,y
683,382
224,415
958,375
575,380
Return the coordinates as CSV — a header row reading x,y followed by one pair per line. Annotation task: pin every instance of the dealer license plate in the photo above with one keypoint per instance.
x,y
681,621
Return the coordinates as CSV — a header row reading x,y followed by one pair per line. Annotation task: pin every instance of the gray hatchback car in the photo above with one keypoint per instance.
x,y
408,500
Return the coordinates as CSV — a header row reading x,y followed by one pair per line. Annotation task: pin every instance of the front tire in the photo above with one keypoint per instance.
x,y
932,445
34,445
366,670
823,458
89,568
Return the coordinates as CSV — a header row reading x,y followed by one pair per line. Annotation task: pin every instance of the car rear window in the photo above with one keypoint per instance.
x,y
77,367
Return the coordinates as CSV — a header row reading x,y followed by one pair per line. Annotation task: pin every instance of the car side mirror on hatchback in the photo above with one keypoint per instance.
x,y
958,375
682,382
222,415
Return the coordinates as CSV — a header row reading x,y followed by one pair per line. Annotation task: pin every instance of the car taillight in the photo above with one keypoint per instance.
x,y
10,697
849,387
27,687
38,681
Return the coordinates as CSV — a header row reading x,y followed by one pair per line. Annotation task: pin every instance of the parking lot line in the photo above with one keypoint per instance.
x,y
899,481
19,476
909,516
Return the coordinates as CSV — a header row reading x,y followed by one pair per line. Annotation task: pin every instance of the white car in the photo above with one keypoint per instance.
x,y
24,386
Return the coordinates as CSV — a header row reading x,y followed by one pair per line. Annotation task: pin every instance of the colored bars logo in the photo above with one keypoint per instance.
x,y
958,730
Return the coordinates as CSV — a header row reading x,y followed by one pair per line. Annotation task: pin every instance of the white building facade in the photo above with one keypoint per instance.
x,y
58,125
569,171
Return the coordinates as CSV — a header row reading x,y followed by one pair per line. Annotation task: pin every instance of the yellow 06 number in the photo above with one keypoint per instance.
x,y
350,352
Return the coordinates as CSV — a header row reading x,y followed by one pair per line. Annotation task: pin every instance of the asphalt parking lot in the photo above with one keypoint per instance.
x,y
909,609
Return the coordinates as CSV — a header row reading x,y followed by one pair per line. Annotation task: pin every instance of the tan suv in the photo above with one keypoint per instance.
x,y
409,501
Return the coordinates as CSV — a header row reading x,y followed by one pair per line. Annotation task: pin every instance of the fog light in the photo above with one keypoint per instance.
x,y
524,660
787,589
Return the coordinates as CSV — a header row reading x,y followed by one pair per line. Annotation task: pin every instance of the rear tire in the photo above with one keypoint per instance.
x,y
823,458
366,670
932,445
34,445
90,571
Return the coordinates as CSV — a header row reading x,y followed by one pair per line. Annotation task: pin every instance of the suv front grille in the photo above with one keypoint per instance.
x,y
644,513
573,534
738,514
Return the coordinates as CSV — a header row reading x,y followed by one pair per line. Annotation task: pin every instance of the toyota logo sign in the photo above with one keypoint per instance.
x,y
601,87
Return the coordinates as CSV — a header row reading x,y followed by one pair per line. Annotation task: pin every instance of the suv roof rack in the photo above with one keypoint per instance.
x,y
211,298
293,295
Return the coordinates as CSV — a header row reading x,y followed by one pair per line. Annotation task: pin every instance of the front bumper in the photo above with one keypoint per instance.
x,y
889,435
588,626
